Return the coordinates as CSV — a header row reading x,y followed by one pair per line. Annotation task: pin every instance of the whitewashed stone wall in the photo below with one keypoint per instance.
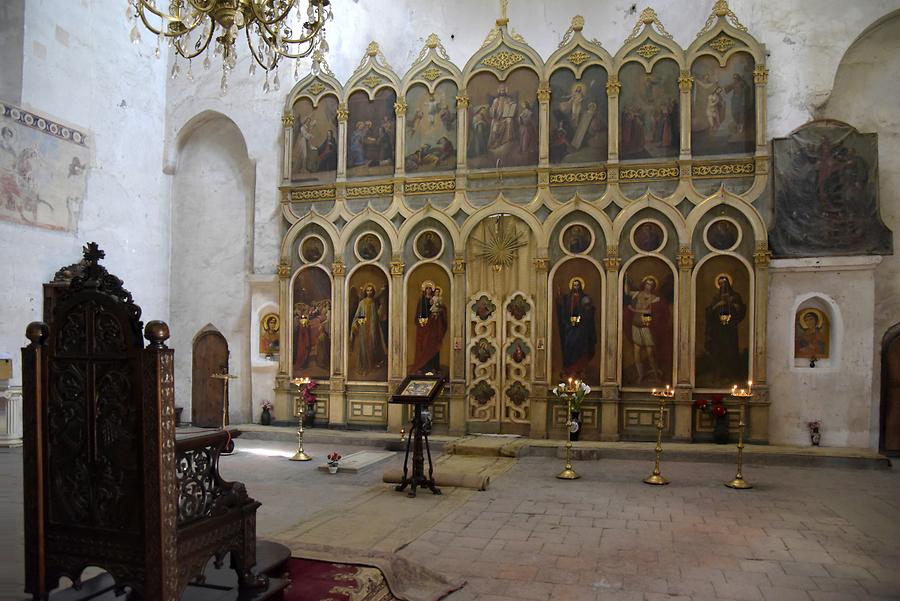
x,y
79,66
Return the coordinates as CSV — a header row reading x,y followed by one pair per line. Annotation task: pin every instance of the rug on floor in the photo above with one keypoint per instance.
x,y
320,572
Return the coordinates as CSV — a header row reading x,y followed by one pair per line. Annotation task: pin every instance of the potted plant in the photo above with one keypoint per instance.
x,y
814,435
572,392
266,417
715,406
309,400
334,459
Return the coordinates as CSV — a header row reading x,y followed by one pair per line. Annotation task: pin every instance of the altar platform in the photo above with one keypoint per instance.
x,y
514,446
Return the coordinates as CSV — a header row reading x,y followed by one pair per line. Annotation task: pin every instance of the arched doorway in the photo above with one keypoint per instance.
x,y
889,439
208,394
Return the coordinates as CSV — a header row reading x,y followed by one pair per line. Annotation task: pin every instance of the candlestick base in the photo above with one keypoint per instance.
x,y
300,455
655,479
568,474
739,483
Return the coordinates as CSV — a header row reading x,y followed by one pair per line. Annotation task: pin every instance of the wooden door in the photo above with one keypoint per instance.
x,y
890,393
210,356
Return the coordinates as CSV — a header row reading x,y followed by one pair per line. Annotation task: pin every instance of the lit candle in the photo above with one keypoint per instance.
x,y
654,391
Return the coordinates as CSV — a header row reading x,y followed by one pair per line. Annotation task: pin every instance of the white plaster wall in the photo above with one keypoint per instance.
x,y
837,393
263,289
212,195
79,66
867,95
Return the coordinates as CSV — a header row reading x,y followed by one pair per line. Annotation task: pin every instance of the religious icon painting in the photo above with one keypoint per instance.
x,y
311,325
428,319
722,335
723,106
368,247
269,331
371,134
648,236
312,249
503,120
574,346
314,147
649,119
429,244
431,128
577,239
367,331
648,324
812,334
578,116
722,234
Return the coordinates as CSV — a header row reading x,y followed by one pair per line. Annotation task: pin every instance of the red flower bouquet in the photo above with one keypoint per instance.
x,y
714,405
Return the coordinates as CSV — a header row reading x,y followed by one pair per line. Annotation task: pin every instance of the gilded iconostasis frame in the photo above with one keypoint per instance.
x,y
654,141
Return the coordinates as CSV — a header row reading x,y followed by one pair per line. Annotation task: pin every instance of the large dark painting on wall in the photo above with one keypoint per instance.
x,y
723,106
826,193
371,134
648,326
574,348
312,324
649,121
722,334
578,116
431,128
368,308
314,149
503,120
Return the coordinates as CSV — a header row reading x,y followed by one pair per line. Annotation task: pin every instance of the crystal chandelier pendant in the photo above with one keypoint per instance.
x,y
276,84
135,35
175,70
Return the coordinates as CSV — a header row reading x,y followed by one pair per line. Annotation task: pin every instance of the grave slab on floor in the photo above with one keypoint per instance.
x,y
360,461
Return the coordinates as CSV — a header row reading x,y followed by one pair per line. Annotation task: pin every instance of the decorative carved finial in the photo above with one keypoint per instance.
x,y
37,332
372,49
577,23
648,19
157,332
504,13
433,41
721,11
721,8
92,253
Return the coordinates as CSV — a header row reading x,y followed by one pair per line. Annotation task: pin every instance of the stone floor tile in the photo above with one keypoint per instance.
x,y
848,571
741,592
780,593
533,591
760,565
803,568
517,572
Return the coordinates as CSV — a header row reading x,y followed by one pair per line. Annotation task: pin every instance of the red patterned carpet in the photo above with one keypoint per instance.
x,y
325,581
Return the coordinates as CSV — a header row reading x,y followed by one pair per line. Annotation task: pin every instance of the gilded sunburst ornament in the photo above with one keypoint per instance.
x,y
502,246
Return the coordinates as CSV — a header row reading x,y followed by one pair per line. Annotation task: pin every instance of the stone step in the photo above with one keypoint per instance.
x,y
360,461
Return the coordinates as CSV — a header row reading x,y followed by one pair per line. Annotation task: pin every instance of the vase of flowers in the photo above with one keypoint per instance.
x,y
815,437
572,391
715,406
309,403
266,417
334,460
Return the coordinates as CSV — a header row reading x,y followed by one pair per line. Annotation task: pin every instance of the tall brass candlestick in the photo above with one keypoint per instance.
x,y
738,482
300,455
662,395
568,473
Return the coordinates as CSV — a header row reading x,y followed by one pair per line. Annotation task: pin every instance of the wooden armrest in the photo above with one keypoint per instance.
x,y
202,492
216,438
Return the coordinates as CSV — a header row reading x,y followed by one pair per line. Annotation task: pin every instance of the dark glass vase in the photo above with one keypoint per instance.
x,y
575,425
720,429
266,418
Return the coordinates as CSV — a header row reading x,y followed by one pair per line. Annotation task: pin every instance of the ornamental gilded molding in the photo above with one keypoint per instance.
x,y
731,169
397,268
762,256
644,173
613,86
373,190
287,120
431,73
648,20
543,94
723,43
372,80
648,50
315,88
612,260
722,11
685,258
760,75
312,194
541,263
574,178
462,101
503,59
429,186
338,269
685,81
342,113
459,266
400,107
578,56
284,271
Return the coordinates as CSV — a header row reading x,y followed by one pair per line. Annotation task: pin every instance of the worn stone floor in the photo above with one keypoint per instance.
x,y
801,533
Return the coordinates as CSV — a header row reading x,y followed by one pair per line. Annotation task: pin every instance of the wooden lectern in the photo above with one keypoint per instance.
x,y
418,391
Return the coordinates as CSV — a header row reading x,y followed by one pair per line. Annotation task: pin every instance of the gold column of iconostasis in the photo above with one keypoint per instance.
x,y
518,221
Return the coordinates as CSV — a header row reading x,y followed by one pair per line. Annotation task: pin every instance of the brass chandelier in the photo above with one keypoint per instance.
x,y
274,29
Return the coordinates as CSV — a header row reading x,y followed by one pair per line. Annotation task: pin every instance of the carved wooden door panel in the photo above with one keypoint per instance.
x,y
890,397
500,363
210,356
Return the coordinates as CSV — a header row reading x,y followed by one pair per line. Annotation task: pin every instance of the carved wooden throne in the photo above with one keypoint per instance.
x,y
106,483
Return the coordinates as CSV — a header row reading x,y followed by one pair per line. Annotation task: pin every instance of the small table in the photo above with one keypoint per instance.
x,y
418,391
